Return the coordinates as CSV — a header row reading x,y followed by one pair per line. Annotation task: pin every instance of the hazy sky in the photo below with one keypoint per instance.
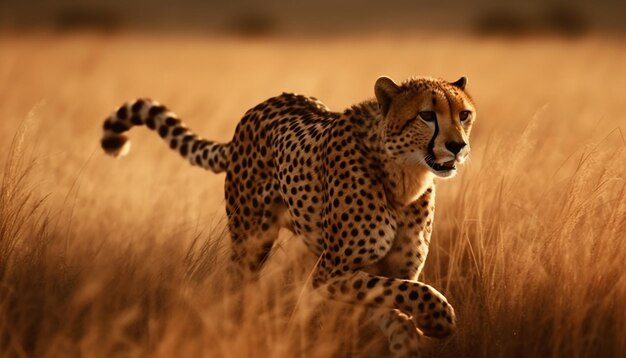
x,y
297,16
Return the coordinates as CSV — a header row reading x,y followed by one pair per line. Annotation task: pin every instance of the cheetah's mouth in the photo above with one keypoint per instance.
x,y
440,167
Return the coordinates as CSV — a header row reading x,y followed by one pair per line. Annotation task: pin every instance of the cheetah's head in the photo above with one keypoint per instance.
x,y
427,122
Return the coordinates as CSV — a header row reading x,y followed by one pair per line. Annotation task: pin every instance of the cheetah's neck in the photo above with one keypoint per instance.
x,y
407,184
403,184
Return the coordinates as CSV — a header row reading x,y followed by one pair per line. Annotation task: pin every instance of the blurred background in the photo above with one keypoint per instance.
x,y
248,17
102,257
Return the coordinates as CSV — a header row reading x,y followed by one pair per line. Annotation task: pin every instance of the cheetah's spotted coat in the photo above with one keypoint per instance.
x,y
357,186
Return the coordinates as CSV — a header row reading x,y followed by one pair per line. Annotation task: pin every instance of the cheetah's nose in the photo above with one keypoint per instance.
x,y
455,147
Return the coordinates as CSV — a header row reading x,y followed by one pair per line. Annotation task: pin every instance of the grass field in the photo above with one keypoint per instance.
x,y
103,257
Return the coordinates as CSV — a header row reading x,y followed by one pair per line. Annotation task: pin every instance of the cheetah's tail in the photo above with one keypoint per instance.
x,y
201,152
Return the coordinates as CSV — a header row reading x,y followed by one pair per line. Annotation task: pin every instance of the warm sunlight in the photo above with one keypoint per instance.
x,y
128,257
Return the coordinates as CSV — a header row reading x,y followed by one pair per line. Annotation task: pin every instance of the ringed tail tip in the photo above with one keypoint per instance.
x,y
116,145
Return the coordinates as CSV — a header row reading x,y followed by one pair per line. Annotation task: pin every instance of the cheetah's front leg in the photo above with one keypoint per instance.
x,y
428,308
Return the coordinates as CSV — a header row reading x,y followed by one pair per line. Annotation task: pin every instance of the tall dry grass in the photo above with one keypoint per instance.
x,y
125,258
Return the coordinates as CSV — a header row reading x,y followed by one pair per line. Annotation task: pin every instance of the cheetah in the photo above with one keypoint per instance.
x,y
357,186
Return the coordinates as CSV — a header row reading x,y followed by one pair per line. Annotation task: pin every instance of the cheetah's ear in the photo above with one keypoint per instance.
x,y
460,83
385,90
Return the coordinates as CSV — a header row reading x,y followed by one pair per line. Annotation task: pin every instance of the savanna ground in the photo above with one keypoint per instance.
x,y
102,257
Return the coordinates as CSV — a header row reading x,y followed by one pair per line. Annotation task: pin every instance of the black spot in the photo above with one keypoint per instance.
x,y
156,110
372,282
399,299
112,143
178,131
163,131
183,150
413,295
137,106
119,127
136,120
150,123
122,112
171,121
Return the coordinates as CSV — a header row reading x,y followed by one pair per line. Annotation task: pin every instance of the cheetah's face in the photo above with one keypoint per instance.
x,y
428,122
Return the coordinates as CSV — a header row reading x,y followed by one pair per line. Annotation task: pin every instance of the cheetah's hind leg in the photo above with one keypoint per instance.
x,y
254,222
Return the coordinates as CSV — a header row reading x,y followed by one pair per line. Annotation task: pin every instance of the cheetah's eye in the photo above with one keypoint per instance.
x,y
464,115
428,116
